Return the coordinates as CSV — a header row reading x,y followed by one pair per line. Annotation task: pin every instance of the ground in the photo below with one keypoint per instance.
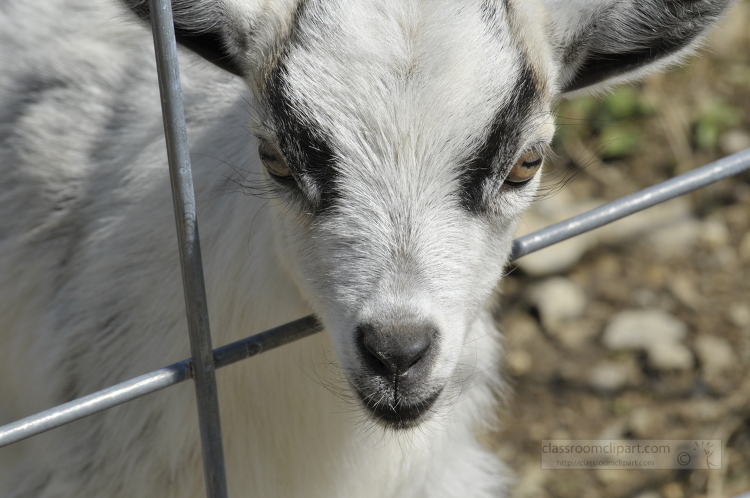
x,y
683,266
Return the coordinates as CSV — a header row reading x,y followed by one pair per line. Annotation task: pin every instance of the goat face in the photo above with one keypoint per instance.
x,y
391,135
403,139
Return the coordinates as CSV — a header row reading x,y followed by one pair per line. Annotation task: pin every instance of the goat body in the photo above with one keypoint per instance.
x,y
401,141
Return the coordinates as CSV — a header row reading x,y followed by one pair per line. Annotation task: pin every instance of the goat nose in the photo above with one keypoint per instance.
x,y
396,348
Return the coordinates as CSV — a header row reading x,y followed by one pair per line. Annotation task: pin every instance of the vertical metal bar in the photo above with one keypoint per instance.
x,y
190,254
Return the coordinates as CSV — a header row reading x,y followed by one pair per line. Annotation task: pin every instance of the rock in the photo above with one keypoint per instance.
x,y
676,239
685,291
715,353
573,372
656,332
744,249
644,297
615,430
523,334
669,356
645,422
733,141
739,314
520,330
640,329
609,377
649,494
558,299
608,267
531,482
519,362
563,205
672,490
725,257
703,410
714,233
538,431
575,333
614,477
560,434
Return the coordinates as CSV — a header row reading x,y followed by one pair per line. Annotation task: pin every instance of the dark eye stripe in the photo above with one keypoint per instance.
x,y
501,141
306,147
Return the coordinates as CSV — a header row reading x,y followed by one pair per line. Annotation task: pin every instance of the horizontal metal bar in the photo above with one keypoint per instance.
x,y
308,325
94,403
651,196
266,341
154,381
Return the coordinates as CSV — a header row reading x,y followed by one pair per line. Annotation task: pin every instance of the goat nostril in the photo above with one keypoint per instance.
x,y
398,349
380,357
418,350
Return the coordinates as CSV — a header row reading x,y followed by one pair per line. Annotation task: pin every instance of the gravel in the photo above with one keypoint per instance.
x,y
642,329
558,300
609,377
715,354
682,372
664,355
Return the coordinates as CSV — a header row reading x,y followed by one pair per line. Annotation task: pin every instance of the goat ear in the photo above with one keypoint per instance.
x,y
203,27
600,42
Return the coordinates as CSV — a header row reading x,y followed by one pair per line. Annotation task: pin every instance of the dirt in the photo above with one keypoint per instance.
x,y
608,147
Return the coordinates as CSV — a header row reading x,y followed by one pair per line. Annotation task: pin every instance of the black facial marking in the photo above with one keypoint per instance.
x,y
503,138
306,146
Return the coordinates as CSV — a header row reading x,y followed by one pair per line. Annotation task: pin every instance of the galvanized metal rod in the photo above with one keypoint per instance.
x,y
94,403
154,381
651,196
189,243
308,325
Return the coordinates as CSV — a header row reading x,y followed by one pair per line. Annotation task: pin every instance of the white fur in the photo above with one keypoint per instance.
x,y
90,290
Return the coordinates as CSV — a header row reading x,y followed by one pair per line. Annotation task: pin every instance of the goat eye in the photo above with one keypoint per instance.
x,y
525,168
274,161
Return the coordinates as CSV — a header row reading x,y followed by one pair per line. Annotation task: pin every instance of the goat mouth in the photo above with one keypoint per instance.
x,y
399,414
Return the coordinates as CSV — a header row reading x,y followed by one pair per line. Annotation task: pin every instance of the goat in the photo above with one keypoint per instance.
x,y
391,147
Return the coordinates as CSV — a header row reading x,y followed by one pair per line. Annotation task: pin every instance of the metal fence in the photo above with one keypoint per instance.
x,y
205,360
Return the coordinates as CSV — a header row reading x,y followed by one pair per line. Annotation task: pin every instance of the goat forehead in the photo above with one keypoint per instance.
x,y
398,78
